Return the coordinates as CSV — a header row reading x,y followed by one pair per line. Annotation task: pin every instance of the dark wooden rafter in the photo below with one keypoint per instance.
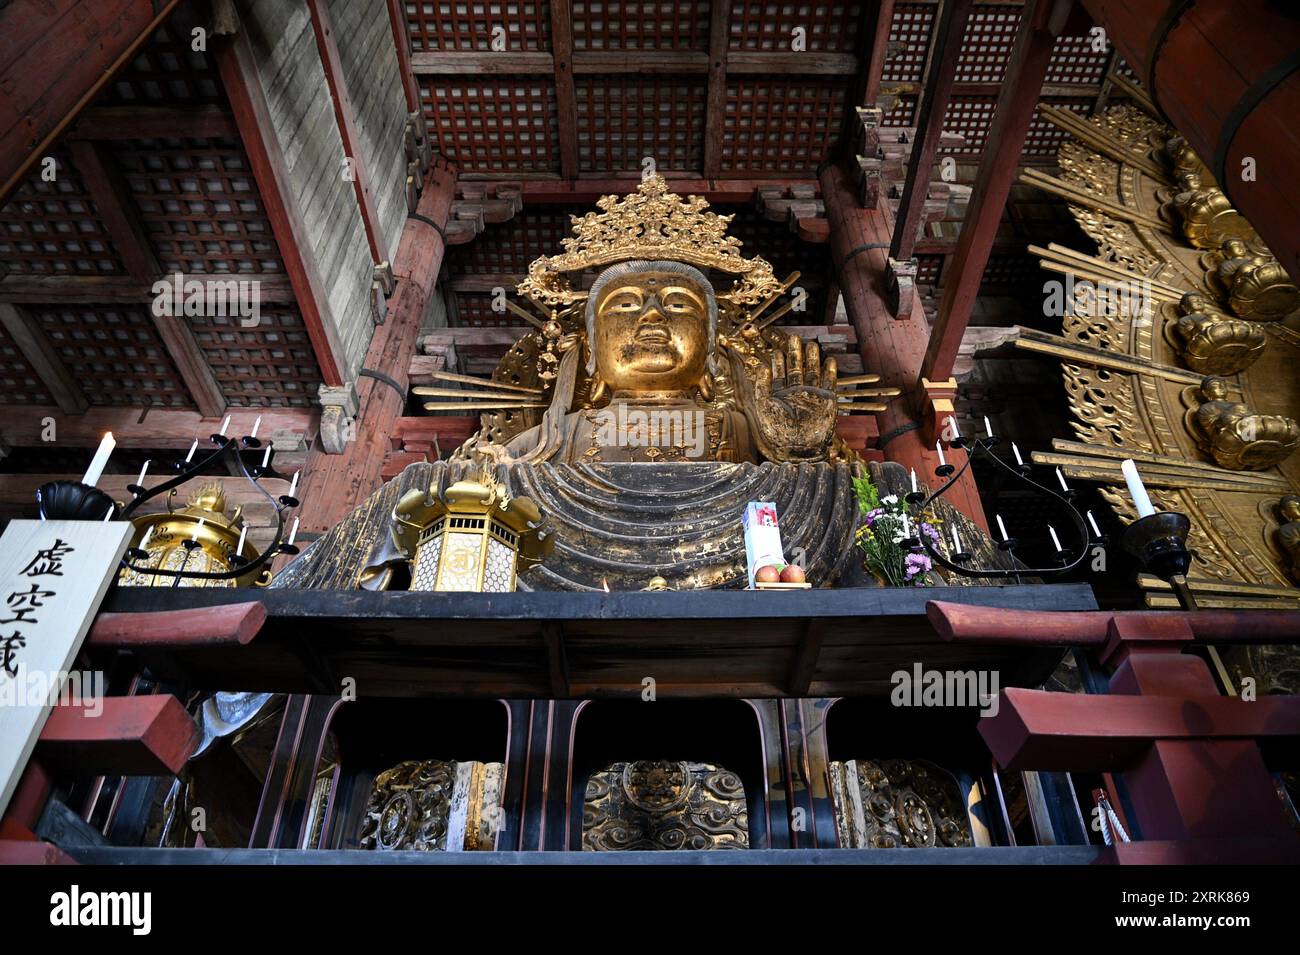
x,y
107,187
45,361
345,117
607,63
715,109
55,58
154,122
566,101
878,52
945,51
402,43
1040,25
238,70
157,428
116,289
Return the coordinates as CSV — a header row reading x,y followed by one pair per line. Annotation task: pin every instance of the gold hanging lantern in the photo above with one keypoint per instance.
x,y
472,537
166,539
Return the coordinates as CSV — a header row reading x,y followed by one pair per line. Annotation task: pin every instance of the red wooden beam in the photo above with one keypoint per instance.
x,y
586,191
55,57
947,41
402,42
566,100
32,852
971,624
1075,732
238,69
133,735
715,107
884,20
230,624
153,122
1040,24
345,116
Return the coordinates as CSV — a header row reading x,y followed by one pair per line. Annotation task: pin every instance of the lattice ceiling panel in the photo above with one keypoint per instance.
x,y
1043,139
19,384
986,45
201,205
114,352
474,310
466,27
627,118
167,71
929,269
770,26
909,33
628,25
1075,61
53,228
509,248
775,127
970,116
494,124
271,365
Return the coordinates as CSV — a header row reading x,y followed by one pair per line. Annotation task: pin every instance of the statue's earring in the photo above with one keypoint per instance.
x,y
597,388
706,386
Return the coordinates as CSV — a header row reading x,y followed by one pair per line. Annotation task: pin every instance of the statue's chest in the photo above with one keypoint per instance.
x,y
655,435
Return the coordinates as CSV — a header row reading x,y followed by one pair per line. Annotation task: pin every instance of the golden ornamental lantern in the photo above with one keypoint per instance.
x,y
198,538
472,537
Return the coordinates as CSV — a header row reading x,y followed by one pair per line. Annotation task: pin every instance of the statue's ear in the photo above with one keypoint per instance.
x,y
707,386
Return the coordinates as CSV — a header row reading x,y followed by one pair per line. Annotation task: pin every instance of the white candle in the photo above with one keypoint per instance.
x,y
1056,541
139,482
293,532
96,469
1061,477
956,432
913,481
956,540
1136,489
1020,462
197,527
109,516
1093,521
988,428
148,536
938,446
907,527
1003,528
224,425
266,458
256,424
293,485
239,548
193,447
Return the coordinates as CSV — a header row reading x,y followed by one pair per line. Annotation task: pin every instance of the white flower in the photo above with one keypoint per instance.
x,y
889,499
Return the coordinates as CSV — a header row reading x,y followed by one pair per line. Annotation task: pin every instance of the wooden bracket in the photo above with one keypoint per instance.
x,y
901,285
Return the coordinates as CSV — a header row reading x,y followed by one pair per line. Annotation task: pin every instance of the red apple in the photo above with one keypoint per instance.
x,y
793,574
767,574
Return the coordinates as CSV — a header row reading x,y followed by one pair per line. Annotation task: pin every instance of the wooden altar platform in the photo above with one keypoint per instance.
x,y
818,643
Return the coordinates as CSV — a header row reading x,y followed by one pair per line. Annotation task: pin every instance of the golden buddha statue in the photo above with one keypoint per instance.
x,y
1205,215
1183,159
1255,284
1288,534
1213,342
1237,438
650,401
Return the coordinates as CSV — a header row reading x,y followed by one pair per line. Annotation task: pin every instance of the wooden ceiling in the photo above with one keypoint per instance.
x,y
153,178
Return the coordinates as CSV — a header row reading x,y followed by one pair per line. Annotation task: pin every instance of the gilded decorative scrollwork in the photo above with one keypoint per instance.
x,y
664,804
897,803
433,805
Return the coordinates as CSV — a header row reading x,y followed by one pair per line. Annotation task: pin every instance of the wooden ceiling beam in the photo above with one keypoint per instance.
x,y
119,214
639,62
586,191
715,108
123,289
55,57
154,122
238,68
345,117
44,359
402,42
566,101
157,428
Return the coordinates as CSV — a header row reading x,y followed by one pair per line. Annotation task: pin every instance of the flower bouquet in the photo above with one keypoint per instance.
x,y
881,538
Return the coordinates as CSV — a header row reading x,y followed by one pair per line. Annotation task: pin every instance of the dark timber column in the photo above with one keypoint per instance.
x,y
890,347
1040,25
334,483
929,128
1227,75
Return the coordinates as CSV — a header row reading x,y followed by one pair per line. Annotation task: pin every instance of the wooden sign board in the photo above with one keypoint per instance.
x,y
53,575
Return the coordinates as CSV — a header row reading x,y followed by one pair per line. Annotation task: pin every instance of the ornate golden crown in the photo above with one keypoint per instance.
x,y
651,223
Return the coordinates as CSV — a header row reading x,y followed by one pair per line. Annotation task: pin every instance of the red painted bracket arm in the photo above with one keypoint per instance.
x,y
131,735
1067,732
233,624
994,625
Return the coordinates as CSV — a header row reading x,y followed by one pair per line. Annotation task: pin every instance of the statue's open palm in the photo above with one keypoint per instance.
x,y
791,402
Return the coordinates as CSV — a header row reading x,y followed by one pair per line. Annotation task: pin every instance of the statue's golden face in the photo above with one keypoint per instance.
x,y
652,332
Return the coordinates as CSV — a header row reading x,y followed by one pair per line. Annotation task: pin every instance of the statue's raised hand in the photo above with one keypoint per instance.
x,y
790,403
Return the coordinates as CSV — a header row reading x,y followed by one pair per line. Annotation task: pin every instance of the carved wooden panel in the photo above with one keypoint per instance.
x,y
663,804
897,803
